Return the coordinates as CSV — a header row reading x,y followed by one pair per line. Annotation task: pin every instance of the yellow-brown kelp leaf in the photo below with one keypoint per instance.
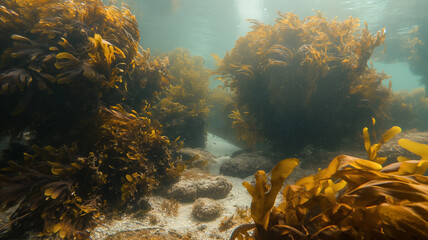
x,y
358,163
413,167
414,147
352,198
244,126
372,150
411,218
263,195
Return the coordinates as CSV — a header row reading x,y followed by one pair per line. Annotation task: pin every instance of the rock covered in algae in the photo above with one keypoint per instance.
x,y
194,184
245,164
205,209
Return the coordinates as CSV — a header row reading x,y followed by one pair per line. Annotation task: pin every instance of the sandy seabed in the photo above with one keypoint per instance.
x,y
183,223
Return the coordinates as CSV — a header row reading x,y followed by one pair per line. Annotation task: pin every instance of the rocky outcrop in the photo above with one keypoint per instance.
x,y
205,209
194,184
245,164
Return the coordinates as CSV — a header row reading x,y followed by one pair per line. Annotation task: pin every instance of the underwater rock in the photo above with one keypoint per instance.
x,y
215,187
245,164
183,191
197,157
194,184
205,209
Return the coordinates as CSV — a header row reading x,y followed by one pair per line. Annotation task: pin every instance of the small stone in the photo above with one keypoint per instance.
x,y
206,209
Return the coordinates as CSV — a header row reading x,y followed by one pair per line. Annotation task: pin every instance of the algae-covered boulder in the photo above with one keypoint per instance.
x,y
183,191
194,184
205,209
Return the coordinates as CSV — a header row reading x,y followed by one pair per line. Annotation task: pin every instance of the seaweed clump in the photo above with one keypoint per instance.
x,y
75,90
352,198
297,79
183,109
222,104
418,56
409,109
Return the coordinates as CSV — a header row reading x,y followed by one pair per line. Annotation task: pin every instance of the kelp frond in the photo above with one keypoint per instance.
x,y
352,198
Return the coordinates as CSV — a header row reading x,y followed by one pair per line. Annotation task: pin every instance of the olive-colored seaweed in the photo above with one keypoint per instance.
x,y
352,198
63,63
298,79
417,46
183,108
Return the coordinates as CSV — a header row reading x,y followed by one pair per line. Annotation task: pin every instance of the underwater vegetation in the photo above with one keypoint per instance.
x,y
183,109
297,80
409,109
350,199
74,94
418,57
222,104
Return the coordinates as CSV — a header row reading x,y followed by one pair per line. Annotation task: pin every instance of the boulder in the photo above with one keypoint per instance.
x,y
246,164
205,209
195,184
183,191
213,187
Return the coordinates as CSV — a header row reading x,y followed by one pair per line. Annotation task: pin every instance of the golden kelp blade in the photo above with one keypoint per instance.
x,y
264,200
410,217
353,198
372,150
388,135
413,167
414,147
